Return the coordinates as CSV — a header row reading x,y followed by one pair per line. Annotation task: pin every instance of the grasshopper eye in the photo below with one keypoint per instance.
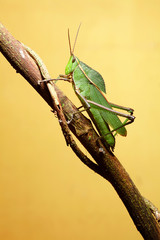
x,y
73,60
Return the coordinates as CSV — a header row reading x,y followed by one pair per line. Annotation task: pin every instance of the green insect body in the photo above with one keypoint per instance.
x,y
89,85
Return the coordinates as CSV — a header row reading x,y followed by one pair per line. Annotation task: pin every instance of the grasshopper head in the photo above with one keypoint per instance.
x,y
71,65
73,61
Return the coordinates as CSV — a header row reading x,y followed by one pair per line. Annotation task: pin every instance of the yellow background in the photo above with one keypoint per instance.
x,y
45,191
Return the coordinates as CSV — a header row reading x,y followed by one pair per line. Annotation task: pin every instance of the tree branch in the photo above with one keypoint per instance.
x,y
107,165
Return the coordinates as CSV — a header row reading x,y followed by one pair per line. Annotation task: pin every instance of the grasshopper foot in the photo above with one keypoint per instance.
x,y
69,121
45,80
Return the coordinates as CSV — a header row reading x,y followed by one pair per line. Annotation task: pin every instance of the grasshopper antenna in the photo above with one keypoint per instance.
x,y
69,42
76,38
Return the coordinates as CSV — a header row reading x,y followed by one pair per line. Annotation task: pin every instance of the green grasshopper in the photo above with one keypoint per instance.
x,y
89,86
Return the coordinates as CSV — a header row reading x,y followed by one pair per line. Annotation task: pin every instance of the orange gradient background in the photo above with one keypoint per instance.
x,y
45,191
